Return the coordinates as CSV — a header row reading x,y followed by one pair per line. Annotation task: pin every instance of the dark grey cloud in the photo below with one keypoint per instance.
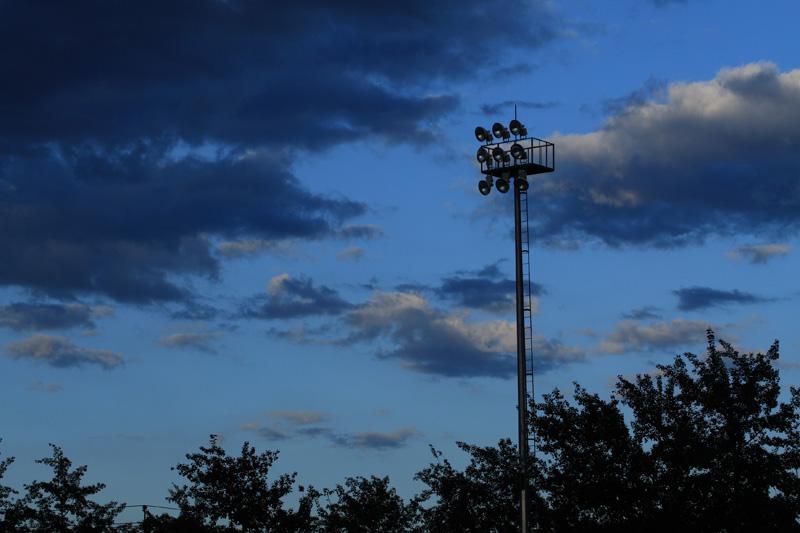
x,y
60,352
22,316
242,70
487,289
652,89
122,228
503,108
135,133
647,312
286,425
714,157
693,298
287,297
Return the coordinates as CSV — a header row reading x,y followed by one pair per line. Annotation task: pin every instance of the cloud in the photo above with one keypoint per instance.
x,y
693,298
373,440
486,289
711,157
759,253
507,105
200,341
59,352
630,336
22,316
142,219
425,339
299,417
293,298
136,134
643,313
292,424
39,386
352,253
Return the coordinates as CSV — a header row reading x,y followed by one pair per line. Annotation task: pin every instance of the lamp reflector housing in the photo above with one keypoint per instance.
x,y
497,130
484,187
518,152
515,127
482,134
483,155
498,154
502,185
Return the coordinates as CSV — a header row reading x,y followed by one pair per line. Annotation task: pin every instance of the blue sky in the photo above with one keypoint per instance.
x,y
264,222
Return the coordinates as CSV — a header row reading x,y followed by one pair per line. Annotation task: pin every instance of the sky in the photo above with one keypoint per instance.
x,y
262,221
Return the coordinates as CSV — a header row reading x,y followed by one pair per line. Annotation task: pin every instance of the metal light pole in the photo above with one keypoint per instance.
x,y
500,164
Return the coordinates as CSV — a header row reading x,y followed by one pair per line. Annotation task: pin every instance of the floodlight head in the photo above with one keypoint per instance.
x,y
498,154
521,183
497,130
502,185
483,155
518,152
516,127
484,187
482,134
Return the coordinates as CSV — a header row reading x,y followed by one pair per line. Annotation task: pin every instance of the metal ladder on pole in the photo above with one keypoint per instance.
x,y
527,303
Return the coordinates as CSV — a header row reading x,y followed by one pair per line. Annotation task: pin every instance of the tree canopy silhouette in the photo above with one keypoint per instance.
x,y
61,504
236,490
710,447
705,444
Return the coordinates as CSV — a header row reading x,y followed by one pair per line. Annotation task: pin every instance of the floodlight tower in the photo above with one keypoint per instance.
x,y
501,162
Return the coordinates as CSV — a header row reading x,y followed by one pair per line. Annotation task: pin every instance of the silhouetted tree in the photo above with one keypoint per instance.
x,y
366,506
589,469
709,448
5,497
236,490
483,498
61,504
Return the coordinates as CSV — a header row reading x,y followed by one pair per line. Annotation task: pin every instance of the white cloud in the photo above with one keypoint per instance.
x,y
275,285
713,156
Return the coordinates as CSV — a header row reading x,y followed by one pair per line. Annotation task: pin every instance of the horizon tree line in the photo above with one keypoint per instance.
x,y
709,446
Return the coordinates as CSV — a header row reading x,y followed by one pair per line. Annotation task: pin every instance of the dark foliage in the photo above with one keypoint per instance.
x,y
710,444
236,490
482,498
366,506
61,504
710,448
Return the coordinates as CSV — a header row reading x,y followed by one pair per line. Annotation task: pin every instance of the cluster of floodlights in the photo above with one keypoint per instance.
x,y
498,162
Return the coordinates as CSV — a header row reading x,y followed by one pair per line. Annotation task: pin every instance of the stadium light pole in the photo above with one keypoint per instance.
x,y
501,163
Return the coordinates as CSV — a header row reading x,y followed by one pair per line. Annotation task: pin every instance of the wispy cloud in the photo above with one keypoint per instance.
x,y
202,341
285,425
759,253
49,387
60,352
